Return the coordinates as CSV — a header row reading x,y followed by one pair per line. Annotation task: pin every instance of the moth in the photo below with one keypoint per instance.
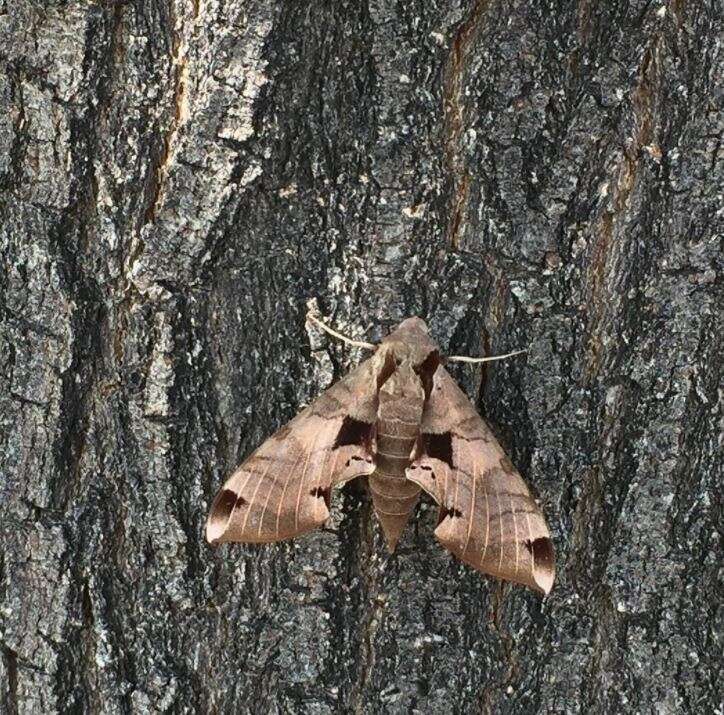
x,y
400,420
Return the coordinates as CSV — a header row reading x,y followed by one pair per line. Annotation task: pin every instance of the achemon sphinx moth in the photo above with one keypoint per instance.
x,y
402,421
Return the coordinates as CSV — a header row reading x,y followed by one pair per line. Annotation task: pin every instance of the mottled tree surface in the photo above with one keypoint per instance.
x,y
180,176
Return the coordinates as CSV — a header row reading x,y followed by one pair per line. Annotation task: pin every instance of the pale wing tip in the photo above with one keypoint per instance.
x,y
544,579
213,534
219,516
544,570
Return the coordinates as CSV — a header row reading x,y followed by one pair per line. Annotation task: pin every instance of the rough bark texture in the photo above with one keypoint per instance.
x,y
180,176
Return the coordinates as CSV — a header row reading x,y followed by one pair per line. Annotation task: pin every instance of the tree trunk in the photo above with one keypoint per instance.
x,y
179,177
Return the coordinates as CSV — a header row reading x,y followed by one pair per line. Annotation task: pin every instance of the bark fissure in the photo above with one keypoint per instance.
x,y
180,105
454,119
607,249
10,689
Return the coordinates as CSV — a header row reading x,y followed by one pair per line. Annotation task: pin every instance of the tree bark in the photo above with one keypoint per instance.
x,y
179,177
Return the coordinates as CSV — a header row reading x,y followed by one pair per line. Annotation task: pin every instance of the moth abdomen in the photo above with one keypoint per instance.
x,y
394,497
394,464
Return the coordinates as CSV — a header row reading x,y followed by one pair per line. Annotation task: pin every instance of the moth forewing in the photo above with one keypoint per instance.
x,y
498,531
283,489
488,517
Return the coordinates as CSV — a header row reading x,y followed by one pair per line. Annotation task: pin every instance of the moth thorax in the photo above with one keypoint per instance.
x,y
402,396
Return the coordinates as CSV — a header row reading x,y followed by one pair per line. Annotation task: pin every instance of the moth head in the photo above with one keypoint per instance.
x,y
413,325
410,343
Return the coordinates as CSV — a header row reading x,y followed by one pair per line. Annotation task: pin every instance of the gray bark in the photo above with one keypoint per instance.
x,y
180,176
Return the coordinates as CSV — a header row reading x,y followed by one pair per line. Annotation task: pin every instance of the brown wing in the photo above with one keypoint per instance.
x,y
488,518
283,488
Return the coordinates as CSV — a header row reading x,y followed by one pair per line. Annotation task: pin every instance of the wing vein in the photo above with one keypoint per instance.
x,y
530,540
252,502
457,485
500,542
301,483
331,476
472,502
240,493
487,521
263,511
517,544
284,491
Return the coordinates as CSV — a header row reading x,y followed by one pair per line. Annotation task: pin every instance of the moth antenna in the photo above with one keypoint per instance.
x,y
354,343
463,358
